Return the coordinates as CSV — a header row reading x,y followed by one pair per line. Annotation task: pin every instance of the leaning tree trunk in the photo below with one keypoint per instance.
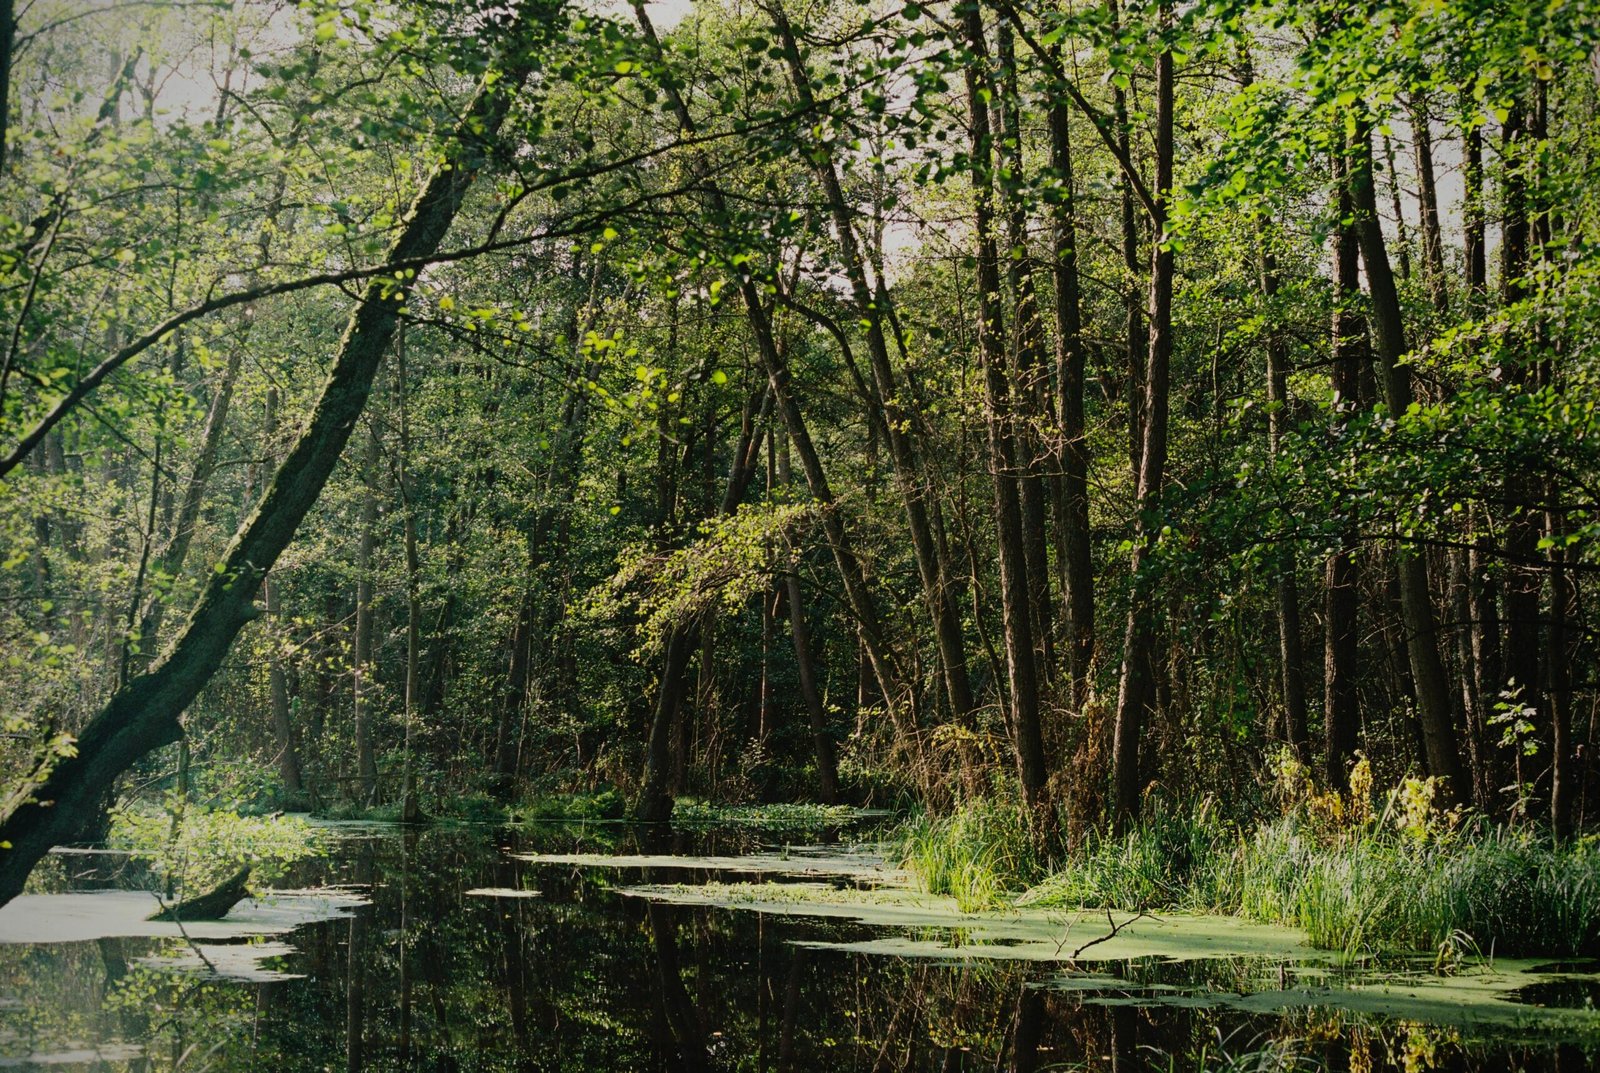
x,y
143,715
937,587
885,666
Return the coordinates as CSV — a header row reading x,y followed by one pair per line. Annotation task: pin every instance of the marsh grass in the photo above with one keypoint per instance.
x,y
980,855
1367,889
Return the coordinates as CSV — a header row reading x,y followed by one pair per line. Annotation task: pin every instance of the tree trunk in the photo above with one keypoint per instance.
x,y
143,715
1341,652
1031,405
1290,654
857,595
1434,709
1136,692
1134,329
1076,550
827,762
1428,199
1473,224
1027,736
410,809
277,680
366,762
655,795
1524,581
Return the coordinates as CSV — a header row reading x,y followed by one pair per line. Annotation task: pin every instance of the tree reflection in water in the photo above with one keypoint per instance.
x,y
428,977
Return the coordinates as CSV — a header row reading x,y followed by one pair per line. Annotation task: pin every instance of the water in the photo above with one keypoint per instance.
x,y
425,976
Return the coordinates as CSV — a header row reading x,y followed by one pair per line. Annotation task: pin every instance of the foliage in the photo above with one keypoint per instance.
x,y
192,847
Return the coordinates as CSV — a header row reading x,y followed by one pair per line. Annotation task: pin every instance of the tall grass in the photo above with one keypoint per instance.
x,y
1368,889
980,855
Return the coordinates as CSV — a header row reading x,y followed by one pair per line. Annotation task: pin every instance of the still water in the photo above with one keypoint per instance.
x,y
444,949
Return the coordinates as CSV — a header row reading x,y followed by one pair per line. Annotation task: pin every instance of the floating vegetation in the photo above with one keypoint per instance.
x,y
864,864
120,914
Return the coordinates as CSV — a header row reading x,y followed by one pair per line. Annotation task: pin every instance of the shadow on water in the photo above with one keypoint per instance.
x,y
465,958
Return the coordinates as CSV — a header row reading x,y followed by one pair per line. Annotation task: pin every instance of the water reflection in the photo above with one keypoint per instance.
x,y
427,977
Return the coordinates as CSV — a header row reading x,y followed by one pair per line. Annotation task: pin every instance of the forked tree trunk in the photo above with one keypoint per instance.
x,y
885,666
937,587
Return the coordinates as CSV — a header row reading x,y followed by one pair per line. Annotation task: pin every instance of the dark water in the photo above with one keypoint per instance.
x,y
428,977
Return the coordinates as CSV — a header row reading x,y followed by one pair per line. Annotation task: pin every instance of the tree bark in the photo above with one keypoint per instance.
x,y
1524,582
1136,332
1473,224
364,690
143,715
1290,653
1428,199
1031,404
859,597
277,679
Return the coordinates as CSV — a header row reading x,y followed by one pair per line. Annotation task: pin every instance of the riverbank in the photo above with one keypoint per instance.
x,y
1362,885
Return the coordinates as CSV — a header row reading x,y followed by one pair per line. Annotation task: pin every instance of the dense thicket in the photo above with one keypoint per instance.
x,y
842,401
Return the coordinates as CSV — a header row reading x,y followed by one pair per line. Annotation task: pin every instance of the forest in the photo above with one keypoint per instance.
x,y
1143,447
